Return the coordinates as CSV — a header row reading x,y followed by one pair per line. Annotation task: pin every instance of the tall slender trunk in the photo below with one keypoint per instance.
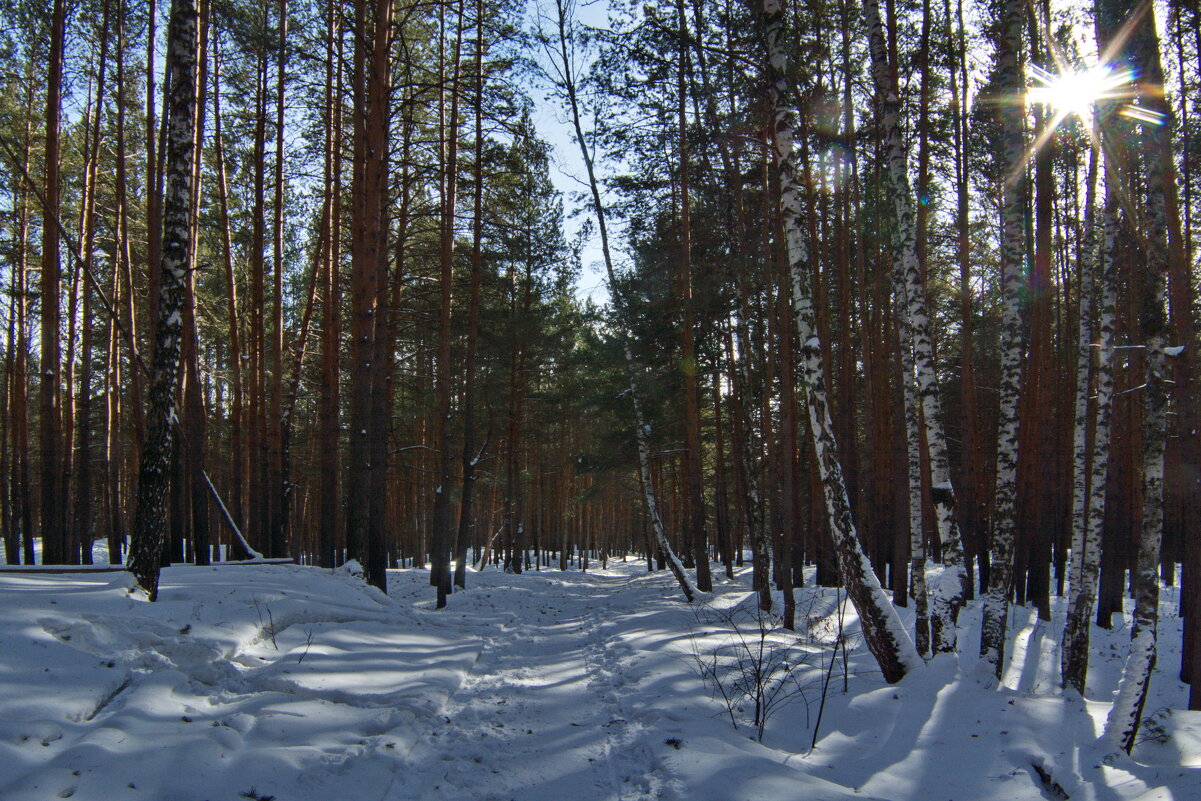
x,y
371,89
972,505
1183,471
239,465
329,494
1037,480
1122,726
276,489
566,54
440,538
194,424
470,457
113,455
23,486
726,541
948,595
19,539
514,512
258,508
1089,480
1010,69
53,495
883,633
84,506
154,200
126,308
151,515
694,516
913,472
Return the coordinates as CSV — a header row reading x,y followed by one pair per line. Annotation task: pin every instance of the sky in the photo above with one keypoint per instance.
x,y
567,171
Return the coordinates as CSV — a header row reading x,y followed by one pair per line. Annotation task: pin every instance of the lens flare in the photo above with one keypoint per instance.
x,y
1076,92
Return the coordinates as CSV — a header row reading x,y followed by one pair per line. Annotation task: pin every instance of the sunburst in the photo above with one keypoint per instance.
x,y
1077,92
1087,93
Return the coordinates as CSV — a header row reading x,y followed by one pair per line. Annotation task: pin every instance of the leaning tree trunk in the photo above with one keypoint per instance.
x,y
1013,254
641,428
886,638
150,517
949,593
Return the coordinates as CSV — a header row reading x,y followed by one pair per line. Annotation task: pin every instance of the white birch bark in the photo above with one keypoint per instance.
x,y
1088,485
883,633
951,590
567,82
913,463
1126,714
150,517
1122,726
1013,259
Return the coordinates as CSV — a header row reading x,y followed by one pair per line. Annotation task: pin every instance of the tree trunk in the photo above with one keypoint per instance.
x,y
150,517
972,508
882,630
84,506
276,489
1088,486
949,594
470,456
694,517
1013,253
239,466
440,537
53,494
329,495
22,483
1122,726
566,52
371,85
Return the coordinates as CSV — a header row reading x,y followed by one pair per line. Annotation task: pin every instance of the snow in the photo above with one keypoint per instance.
x,y
307,684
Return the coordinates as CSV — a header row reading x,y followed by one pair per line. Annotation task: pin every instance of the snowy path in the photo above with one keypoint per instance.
x,y
544,713
298,684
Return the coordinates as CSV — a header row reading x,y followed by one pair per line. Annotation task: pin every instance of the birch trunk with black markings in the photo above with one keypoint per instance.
x,y
950,592
883,633
1013,261
150,516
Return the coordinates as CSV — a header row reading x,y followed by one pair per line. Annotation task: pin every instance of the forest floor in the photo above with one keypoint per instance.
x,y
296,684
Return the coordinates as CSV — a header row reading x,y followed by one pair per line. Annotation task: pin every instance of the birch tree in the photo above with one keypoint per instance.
x,y
151,513
1088,486
1125,716
949,593
886,638
1010,80
560,50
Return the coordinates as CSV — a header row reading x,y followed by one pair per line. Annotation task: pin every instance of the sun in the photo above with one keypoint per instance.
x,y
1075,92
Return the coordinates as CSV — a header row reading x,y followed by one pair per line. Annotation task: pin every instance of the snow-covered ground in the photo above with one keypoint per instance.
x,y
294,683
